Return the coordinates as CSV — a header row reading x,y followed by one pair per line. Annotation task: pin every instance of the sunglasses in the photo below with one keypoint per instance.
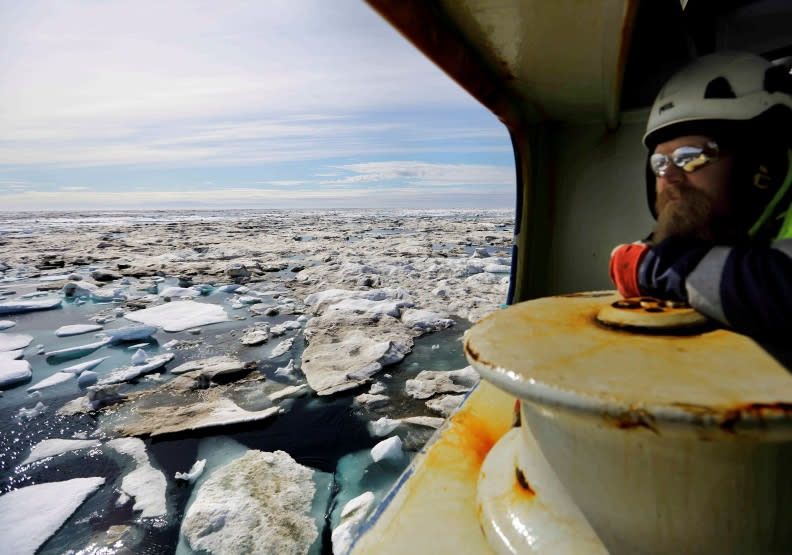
x,y
686,158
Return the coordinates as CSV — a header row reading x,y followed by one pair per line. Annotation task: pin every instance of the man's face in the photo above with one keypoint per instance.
x,y
694,204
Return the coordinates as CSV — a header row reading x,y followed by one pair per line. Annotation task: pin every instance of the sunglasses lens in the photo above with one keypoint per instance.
x,y
659,163
689,158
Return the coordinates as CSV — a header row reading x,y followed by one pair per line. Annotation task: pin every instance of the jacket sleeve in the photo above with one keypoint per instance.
x,y
748,288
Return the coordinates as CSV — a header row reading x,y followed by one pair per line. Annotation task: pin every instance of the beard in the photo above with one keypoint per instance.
x,y
684,211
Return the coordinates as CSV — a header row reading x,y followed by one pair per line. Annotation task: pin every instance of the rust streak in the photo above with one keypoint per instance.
x,y
635,418
755,411
525,487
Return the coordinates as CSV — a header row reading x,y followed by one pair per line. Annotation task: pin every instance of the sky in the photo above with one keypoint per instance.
x,y
262,104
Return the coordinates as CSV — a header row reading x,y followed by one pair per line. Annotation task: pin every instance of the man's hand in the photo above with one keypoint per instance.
x,y
625,261
656,270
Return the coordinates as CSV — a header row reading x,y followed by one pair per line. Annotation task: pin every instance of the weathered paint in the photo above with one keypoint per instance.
x,y
523,507
663,442
433,508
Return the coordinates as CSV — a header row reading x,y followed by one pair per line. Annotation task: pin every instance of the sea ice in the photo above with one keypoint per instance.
x,y
53,447
5,324
134,371
259,503
146,484
352,515
14,341
155,421
139,357
288,391
179,315
383,426
446,404
13,372
388,450
23,305
195,471
84,366
431,382
425,321
55,379
30,515
77,329
78,351
30,414
282,348
11,355
87,378
129,333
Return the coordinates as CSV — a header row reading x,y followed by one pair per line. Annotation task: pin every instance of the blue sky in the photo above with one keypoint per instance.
x,y
261,104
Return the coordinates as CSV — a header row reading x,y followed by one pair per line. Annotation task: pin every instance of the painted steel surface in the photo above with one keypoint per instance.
x,y
666,443
432,509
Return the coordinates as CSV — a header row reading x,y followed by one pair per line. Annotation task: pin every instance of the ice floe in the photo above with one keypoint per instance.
x,y
14,341
179,315
56,446
145,483
259,503
54,379
28,305
30,515
13,372
77,329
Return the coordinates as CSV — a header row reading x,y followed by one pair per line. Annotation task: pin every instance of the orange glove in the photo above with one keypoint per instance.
x,y
624,263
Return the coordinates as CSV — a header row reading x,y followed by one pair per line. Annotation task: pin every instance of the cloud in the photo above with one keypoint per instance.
x,y
428,174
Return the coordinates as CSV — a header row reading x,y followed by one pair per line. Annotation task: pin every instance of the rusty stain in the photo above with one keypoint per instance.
x,y
523,483
471,353
516,415
634,418
755,411
470,435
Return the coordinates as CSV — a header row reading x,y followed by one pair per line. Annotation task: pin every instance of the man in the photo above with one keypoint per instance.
x,y
719,184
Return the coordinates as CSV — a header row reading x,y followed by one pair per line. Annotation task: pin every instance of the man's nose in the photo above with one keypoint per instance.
x,y
673,176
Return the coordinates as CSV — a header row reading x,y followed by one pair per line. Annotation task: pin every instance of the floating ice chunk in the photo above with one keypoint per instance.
x,y
256,336
179,292
259,503
289,391
139,357
87,378
445,405
229,288
371,401
5,324
497,268
364,306
130,333
129,373
283,327
30,414
282,348
14,341
212,366
352,515
78,351
431,382
23,305
11,355
99,396
13,372
426,421
53,447
286,371
192,474
179,315
425,320
83,366
55,379
389,450
146,484
30,515
383,426
322,299
77,329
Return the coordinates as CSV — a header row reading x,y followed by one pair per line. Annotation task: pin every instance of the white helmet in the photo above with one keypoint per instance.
x,y
725,86
741,100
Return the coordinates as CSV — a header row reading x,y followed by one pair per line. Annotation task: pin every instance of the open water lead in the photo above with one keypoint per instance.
x,y
633,440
